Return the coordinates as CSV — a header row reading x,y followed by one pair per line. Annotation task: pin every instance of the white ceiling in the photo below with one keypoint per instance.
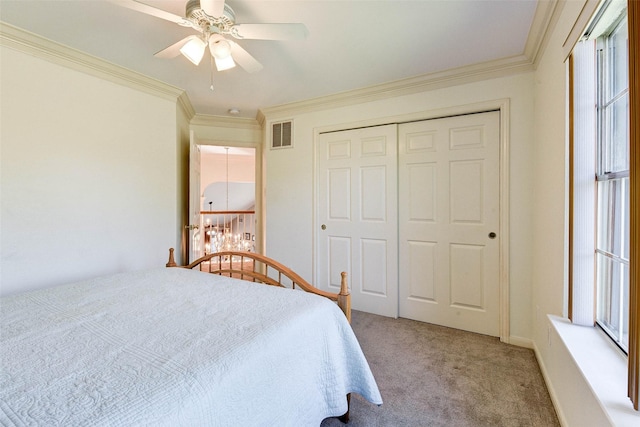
x,y
233,151
229,196
351,45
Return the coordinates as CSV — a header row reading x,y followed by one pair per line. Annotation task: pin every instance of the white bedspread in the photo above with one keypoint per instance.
x,y
175,347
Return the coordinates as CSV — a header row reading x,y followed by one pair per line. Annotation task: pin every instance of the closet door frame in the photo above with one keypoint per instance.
x,y
503,106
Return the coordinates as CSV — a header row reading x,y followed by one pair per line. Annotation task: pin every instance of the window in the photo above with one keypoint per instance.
x,y
604,179
612,176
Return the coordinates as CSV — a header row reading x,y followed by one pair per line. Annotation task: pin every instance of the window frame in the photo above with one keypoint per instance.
x,y
612,187
582,288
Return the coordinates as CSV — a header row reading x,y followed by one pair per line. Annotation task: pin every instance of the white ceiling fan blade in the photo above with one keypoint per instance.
x,y
270,31
243,58
213,8
150,10
173,50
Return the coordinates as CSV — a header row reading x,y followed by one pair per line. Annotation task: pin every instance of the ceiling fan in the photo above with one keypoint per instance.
x,y
214,19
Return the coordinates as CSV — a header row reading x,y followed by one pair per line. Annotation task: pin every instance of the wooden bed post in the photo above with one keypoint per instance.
x,y
344,297
344,302
172,261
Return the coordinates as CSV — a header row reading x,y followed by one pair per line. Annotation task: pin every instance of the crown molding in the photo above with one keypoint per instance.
x,y
260,117
40,47
426,82
547,12
185,104
225,122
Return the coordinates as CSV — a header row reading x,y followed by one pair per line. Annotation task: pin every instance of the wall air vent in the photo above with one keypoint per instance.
x,y
281,134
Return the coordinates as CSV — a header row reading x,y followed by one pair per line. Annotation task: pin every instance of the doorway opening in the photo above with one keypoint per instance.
x,y
228,199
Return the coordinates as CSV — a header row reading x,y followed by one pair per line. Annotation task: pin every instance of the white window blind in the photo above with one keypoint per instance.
x,y
584,185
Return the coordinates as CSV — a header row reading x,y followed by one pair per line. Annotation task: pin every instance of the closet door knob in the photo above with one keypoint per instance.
x,y
492,235
324,227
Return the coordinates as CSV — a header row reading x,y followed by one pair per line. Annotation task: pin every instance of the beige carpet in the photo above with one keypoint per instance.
x,y
435,376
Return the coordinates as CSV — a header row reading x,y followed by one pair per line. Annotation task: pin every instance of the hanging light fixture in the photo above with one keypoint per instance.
x,y
227,178
193,49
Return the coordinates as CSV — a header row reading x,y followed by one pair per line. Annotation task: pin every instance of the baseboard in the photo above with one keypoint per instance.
x,y
521,342
547,381
529,343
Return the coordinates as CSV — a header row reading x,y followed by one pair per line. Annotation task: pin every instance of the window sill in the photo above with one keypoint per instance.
x,y
604,367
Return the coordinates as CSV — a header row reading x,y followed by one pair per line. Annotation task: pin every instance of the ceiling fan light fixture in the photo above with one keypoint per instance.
x,y
225,63
221,52
193,50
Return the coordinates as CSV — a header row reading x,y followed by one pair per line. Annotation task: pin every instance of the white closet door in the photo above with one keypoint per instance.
x,y
357,216
449,222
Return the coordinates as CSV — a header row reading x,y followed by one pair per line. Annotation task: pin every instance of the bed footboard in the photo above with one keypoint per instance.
x,y
259,268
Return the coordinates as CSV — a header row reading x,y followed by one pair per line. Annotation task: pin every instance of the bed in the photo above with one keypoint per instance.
x,y
180,346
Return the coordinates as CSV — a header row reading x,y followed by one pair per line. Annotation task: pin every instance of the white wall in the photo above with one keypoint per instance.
x,y
89,175
290,176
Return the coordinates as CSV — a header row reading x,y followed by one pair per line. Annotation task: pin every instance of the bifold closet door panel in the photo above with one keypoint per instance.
x,y
357,216
448,211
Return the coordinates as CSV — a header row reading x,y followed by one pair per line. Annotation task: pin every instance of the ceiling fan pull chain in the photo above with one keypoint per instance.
x,y
211,68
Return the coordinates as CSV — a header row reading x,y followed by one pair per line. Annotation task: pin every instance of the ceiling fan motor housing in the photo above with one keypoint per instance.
x,y
198,17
